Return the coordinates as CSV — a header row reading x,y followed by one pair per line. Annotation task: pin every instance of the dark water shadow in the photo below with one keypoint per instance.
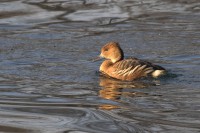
x,y
9,129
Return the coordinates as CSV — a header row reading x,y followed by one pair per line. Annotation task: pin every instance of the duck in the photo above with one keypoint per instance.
x,y
117,67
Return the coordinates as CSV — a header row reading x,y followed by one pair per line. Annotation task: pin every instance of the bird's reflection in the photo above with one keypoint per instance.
x,y
114,90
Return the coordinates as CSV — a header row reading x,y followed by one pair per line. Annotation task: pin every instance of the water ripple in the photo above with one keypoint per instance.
x,y
49,84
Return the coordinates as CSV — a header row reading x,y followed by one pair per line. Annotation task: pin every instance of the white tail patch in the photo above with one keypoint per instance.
x,y
158,73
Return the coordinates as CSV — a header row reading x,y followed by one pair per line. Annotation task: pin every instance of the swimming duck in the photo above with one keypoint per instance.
x,y
117,67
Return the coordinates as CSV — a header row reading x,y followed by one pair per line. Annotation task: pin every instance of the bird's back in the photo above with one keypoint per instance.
x,y
133,68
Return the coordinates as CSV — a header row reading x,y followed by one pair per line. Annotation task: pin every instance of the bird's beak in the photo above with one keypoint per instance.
x,y
97,58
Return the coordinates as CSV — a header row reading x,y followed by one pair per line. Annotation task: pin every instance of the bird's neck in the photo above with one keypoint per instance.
x,y
117,58
105,65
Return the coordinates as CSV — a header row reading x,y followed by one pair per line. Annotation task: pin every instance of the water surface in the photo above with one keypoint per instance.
x,y
48,82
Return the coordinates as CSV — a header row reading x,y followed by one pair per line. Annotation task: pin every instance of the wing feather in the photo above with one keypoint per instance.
x,y
132,68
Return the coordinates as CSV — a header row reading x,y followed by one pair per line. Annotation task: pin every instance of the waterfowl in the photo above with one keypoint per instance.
x,y
117,67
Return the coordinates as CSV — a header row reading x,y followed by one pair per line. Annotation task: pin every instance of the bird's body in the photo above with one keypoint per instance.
x,y
116,66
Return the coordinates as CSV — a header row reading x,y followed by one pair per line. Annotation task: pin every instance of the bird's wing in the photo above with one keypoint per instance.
x,y
132,68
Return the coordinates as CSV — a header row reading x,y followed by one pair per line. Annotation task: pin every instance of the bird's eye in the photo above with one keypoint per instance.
x,y
106,49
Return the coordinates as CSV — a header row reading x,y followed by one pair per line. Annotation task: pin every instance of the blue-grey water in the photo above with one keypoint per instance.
x,y
49,84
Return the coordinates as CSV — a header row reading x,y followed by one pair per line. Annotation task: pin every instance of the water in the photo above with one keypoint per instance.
x,y
49,84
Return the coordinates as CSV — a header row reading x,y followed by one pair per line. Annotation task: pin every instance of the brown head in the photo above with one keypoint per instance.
x,y
112,51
